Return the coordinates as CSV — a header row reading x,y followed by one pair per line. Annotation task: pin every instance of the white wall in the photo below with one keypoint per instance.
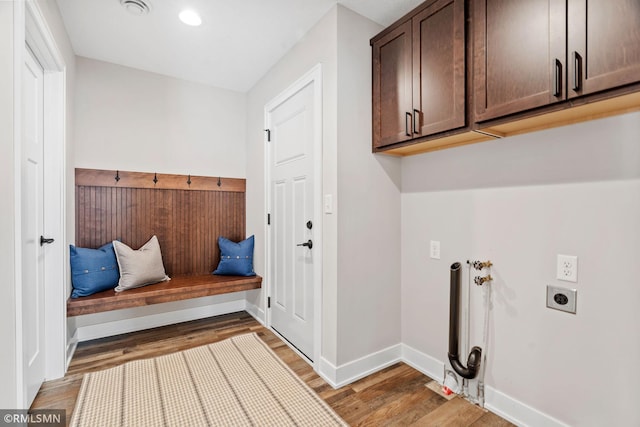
x,y
369,206
519,202
317,46
357,301
128,119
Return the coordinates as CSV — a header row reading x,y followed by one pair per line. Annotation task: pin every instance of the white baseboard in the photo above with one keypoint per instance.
x,y
327,371
71,349
517,412
338,376
430,366
91,332
497,402
256,312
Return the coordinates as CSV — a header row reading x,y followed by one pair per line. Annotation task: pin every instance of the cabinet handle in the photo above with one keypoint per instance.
x,y
557,79
416,120
406,125
577,71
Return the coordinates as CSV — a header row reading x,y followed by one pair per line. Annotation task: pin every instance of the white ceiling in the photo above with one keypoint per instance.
x,y
237,43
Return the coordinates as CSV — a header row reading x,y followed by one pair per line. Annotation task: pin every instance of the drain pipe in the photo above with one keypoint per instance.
x,y
473,361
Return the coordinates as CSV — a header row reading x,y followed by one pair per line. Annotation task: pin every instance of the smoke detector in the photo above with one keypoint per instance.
x,y
136,7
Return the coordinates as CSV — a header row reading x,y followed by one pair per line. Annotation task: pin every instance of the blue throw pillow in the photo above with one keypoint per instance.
x,y
236,259
93,270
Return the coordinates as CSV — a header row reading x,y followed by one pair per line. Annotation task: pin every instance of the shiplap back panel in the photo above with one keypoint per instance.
x,y
187,222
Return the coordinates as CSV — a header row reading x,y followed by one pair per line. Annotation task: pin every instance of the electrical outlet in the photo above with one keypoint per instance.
x,y
562,299
567,268
434,249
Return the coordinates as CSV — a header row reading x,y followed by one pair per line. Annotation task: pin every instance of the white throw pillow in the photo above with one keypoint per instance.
x,y
139,267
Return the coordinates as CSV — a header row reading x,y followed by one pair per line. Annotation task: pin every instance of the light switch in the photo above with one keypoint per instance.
x,y
434,249
328,203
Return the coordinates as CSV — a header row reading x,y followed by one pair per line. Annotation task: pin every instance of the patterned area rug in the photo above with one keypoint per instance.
x,y
235,382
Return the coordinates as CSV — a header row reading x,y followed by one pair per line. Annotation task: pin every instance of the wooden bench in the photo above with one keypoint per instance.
x,y
187,213
176,289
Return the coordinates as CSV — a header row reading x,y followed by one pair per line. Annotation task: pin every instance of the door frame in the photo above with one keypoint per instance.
x,y
32,29
314,77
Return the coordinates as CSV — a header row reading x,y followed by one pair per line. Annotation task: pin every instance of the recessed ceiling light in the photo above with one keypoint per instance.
x,y
136,7
190,17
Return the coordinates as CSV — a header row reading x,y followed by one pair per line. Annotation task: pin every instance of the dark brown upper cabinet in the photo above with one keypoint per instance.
x,y
534,64
439,68
419,75
534,53
603,45
392,80
519,55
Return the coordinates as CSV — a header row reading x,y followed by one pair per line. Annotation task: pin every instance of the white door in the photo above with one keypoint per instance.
x,y
33,308
291,162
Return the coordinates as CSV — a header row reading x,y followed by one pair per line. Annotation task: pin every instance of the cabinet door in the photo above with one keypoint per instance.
x,y
392,106
603,44
520,55
439,68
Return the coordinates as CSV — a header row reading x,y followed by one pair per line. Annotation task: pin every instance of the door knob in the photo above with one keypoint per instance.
x,y
44,240
308,244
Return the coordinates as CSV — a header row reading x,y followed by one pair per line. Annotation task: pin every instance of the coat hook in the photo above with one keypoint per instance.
x,y
117,178
219,182
155,178
189,180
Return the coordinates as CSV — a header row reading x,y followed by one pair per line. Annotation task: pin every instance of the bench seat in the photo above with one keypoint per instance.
x,y
176,289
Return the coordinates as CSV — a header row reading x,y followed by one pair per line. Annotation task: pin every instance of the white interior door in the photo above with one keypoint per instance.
x,y
292,133
33,307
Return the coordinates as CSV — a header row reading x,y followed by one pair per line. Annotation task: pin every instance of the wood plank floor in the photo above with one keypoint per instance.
x,y
395,396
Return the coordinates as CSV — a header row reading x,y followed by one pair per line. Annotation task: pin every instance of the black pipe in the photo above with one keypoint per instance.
x,y
473,361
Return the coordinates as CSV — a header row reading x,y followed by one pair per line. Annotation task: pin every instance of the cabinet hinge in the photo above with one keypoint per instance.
x,y
268,131
268,302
